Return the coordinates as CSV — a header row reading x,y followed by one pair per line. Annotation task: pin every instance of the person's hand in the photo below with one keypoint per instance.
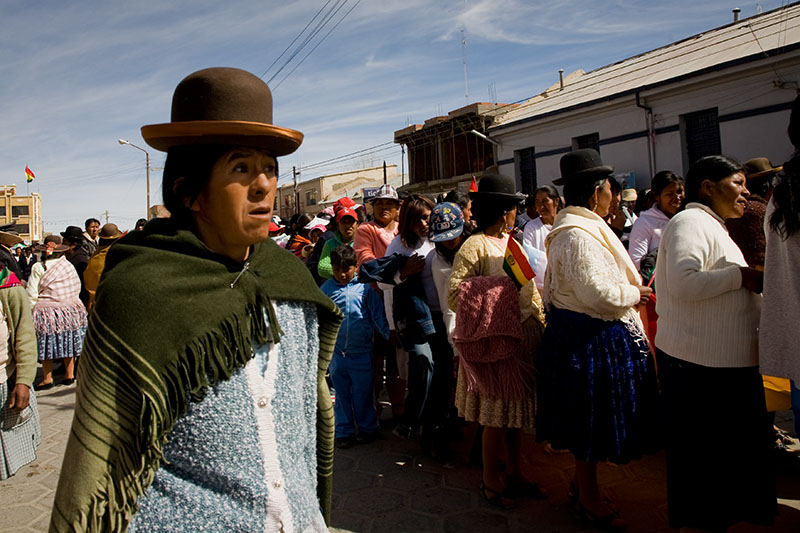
x,y
413,265
752,279
20,397
644,294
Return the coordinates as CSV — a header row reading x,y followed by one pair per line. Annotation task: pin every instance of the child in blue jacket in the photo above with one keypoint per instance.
x,y
351,368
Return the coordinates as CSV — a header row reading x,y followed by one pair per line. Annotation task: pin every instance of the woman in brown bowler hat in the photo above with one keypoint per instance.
x,y
202,402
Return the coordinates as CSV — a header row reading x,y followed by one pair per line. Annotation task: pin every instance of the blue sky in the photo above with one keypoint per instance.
x,y
77,76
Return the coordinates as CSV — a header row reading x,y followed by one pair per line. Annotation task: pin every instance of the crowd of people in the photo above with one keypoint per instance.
x,y
588,356
47,291
216,379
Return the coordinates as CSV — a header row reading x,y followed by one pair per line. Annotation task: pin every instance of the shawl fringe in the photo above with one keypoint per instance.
x,y
134,382
209,359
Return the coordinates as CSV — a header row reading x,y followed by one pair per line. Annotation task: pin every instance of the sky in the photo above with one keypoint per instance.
x,y
77,76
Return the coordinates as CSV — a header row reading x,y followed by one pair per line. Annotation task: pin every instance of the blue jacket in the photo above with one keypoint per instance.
x,y
410,306
363,311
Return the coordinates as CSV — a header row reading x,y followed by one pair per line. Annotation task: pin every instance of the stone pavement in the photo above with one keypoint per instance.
x,y
389,486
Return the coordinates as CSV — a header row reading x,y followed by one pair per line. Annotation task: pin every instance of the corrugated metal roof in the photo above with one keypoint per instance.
x,y
767,34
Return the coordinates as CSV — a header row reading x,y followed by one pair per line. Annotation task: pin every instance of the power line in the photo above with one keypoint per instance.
x,y
319,42
326,18
295,39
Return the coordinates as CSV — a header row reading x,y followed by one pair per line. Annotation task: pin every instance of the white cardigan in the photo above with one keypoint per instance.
x,y
779,337
704,315
646,234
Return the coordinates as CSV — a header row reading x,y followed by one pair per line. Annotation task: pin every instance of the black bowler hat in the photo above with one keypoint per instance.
x,y
582,164
73,234
227,106
497,186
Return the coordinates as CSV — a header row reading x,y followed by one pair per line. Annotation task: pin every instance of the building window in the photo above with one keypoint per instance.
x,y
2,210
591,140
311,197
22,228
526,159
19,210
701,135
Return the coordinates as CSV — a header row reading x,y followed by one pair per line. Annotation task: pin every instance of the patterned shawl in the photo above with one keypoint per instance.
x,y
171,319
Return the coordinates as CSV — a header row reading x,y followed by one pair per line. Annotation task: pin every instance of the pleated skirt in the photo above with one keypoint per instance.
x,y
597,391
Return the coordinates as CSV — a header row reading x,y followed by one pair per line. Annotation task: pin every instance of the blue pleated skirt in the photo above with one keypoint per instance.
x,y
597,391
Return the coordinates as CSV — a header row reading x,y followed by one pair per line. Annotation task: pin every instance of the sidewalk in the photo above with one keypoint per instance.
x,y
389,486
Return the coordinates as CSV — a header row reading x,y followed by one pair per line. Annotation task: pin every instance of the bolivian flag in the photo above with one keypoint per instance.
x,y
29,176
516,264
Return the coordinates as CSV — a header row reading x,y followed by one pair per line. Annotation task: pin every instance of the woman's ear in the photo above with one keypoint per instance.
x,y
706,189
179,189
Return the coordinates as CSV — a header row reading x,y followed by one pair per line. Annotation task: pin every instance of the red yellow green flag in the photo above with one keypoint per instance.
x,y
516,264
29,176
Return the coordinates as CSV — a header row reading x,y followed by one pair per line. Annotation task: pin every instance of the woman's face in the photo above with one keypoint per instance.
x,y
604,199
235,209
727,197
467,212
420,227
347,227
384,211
546,207
670,199
511,218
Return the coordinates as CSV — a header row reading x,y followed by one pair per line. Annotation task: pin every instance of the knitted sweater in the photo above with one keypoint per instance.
x,y
588,270
705,316
324,268
779,336
371,241
244,458
18,350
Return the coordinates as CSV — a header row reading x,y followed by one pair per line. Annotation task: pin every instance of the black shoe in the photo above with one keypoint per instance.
x,y
343,443
67,381
43,386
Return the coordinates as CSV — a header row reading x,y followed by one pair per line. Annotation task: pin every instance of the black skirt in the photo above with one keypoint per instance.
x,y
719,466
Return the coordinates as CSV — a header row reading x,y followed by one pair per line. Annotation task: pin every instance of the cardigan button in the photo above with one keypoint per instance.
x,y
262,402
276,483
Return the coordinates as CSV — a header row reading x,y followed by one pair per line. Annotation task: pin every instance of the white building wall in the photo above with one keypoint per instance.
x,y
733,91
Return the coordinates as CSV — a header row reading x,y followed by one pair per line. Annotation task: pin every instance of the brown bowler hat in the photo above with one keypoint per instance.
x,y
760,167
226,106
109,232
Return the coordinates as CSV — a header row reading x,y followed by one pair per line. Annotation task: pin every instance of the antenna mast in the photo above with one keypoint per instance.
x,y
464,52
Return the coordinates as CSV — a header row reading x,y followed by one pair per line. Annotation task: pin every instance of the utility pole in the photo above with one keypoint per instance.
x,y
295,173
384,172
105,214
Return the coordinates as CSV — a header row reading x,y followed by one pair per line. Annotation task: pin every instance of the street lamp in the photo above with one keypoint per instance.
x,y
147,156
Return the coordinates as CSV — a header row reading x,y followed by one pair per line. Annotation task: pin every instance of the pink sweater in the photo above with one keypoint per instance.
x,y
371,241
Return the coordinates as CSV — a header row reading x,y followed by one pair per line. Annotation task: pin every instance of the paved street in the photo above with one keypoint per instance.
x,y
389,486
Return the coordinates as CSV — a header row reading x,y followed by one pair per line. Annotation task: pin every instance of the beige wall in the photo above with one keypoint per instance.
x,y
26,211
327,189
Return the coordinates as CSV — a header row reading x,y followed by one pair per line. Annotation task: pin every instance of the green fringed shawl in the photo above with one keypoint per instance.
x,y
171,319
